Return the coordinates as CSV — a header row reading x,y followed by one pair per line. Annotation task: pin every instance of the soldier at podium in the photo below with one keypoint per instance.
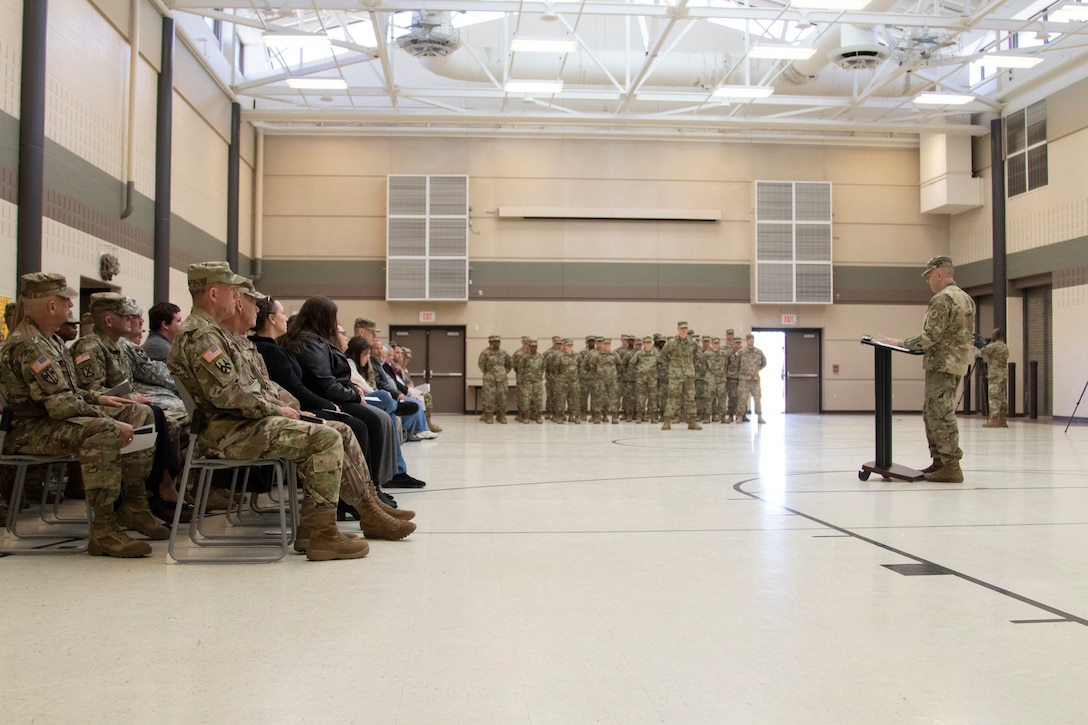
x,y
946,340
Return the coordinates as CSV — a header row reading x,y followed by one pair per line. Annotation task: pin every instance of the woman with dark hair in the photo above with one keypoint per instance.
x,y
314,339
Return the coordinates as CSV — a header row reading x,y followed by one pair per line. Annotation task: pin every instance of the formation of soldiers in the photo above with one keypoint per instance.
x,y
649,380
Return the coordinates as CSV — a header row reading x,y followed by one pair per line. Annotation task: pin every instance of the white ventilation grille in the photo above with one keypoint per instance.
x,y
793,243
427,238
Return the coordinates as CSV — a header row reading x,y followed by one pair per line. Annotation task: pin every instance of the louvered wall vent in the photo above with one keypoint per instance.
x,y
427,238
793,243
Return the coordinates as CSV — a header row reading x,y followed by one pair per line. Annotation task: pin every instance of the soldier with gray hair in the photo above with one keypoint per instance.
x,y
947,339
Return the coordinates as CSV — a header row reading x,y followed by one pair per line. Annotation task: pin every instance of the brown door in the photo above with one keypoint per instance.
x,y
438,359
802,371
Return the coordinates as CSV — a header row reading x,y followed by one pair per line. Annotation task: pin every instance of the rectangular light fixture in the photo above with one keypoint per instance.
x,y
317,84
296,40
829,4
545,88
781,52
543,45
1070,13
943,99
743,91
999,60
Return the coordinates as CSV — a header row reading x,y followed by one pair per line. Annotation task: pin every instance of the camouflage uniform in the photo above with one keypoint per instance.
x,y
752,360
603,365
519,393
680,353
244,422
585,377
550,371
153,379
494,364
996,355
530,372
626,384
643,365
732,383
715,372
702,391
947,339
662,376
567,394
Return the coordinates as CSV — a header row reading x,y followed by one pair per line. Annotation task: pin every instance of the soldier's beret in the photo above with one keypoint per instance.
x,y
937,262
113,303
202,274
366,324
249,290
494,338
682,323
37,285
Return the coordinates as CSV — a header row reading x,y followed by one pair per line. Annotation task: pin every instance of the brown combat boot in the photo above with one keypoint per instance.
x,y
326,542
996,421
400,514
717,418
759,419
596,418
743,419
501,418
302,533
638,418
615,420
375,522
108,540
693,424
431,426
727,419
489,418
525,421
666,425
134,514
950,472
937,463
539,419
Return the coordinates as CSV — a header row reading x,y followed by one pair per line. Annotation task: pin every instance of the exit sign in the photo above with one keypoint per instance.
x,y
789,319
426,317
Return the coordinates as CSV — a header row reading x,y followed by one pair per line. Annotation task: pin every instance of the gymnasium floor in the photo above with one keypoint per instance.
x,y
609,573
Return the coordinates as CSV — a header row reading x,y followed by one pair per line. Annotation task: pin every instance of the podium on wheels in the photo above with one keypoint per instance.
x,y
883,379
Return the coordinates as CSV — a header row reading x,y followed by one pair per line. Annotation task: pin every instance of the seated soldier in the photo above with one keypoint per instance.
x,y
54,413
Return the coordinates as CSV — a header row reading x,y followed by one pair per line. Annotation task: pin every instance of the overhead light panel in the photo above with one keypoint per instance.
x,y
781,52
317,84
1000,60
943,99
829,4
748,92
281,41
544,88
543,45
1070,13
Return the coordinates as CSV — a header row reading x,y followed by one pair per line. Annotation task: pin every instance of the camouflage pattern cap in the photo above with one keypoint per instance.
x,y
682,323
568,341
406,351
113,303
729,331
86,319
647,338
556,338
525,338
136,306
494,338
366,324
203,274
249,290
37,285
706,338
658,336
942,260
532,341
716,340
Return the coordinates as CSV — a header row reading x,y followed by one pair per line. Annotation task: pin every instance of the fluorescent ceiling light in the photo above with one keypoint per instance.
x,y
543,45
1070,13
998,60
295,40
781,52
542,87
317,84
943,99
743,91
829,4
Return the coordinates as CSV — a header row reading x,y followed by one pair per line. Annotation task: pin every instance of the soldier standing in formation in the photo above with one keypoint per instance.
x,y
585,377
679,354
551,369
702,392
568,396
996,355
947,341
643,365
626,377
662,376
715,363
518,388
52,412
494,363
530,371
603,366
752,360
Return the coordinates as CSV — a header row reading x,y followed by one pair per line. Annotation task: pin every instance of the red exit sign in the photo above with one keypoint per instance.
x,y
789,319
426,317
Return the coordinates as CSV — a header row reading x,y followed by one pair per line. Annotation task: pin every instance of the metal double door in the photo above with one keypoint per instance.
x,y
438,359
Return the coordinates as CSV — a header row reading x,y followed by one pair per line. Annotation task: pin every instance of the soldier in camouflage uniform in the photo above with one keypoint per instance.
x,y
585,377
752,361
244,424
996,355
947,339
662,377
568,394
530,372
514,359
428,400
550,369
626,381
643,365
357,490
603,365
732,378
680,353
494,363
702,382
715,375
53,413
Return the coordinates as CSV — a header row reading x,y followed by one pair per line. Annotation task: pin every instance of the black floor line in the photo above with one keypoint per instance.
x,y
1064,616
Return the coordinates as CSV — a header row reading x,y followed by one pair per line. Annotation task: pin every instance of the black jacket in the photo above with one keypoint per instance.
x,y
325,370
284,369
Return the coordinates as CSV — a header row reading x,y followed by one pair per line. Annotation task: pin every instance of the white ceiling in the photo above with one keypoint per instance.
x,y
645,68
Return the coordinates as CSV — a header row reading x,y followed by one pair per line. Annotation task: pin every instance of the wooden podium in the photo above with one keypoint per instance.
x,y
883,377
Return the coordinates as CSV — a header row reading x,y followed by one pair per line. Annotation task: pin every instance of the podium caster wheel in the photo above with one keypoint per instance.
x,y
863,475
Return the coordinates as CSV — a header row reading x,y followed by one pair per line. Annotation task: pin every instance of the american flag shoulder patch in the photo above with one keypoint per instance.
x,y
211,353
82,358
40,364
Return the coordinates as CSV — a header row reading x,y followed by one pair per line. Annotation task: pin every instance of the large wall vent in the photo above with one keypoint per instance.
x,y
793,243
427,238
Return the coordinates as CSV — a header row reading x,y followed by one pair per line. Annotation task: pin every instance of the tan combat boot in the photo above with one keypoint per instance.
x,y
759,419
375,522
615,420
525,420
431,426
488,418
936,465
302,533
950,472
501,418
539,419
693,424
991,422
134,514
638,418
108,540
666,425
743,418
326,542
717,418
727,419
596,418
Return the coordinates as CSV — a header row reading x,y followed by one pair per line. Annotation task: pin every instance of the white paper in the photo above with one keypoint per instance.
x,y
423,389
142,439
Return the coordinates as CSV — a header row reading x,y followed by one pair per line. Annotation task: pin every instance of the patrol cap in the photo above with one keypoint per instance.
x,y
113,303
556,338
590,337
86,319
37,285
532,341
706,338
730,331
682,323
406,351
525,338
204,274
249,290
366,324
135,306
716,339
941,260
658,336
568,341
494,338
647,338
